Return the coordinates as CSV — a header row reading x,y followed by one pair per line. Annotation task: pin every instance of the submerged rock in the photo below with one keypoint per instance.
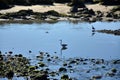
x,y
114,70
97,77
62,69
116,62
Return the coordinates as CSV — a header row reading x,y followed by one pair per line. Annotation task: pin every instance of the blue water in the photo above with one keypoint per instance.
x,y
20,38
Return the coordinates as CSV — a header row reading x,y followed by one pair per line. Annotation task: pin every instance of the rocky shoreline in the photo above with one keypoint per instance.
x,y
53,67
115,32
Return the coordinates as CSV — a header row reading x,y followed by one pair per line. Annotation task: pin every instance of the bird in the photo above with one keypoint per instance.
x,y
30,51
93,29
63,45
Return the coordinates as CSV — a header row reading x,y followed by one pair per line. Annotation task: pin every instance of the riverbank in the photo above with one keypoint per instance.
x,y
60,8
92,13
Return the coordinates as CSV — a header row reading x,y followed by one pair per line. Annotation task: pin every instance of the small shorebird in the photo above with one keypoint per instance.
x,y
93,29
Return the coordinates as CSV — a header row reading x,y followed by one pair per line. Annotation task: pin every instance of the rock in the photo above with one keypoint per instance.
x,y
32,68
10,52
93,19
109,14
10,74
114,70
25,12
52,12
99,14
91,12
65,64
62,69
0,52
116,61
64,77
72,62
43,77
41,64
97,77
74,9
111,74
69,66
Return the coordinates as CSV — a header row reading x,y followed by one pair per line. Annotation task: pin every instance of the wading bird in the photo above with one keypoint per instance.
x,y
63,45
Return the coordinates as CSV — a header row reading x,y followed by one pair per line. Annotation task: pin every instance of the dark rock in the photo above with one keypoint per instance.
x,y
62,69
25,12
10,74
43,77
32,68
49,59
114,70
111,74
41,64
0,52
65,64
74,9
64,77
10,52
97,77
109,14
91,12
69,66
72,62
52,12
116,62
20,55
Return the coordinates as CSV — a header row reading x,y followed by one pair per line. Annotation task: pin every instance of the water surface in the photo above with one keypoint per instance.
x,y
20,38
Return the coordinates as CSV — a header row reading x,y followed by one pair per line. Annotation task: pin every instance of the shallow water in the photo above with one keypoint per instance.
x,y
20,38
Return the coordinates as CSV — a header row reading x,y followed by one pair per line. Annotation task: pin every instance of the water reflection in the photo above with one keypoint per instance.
x,y
62,49
93,33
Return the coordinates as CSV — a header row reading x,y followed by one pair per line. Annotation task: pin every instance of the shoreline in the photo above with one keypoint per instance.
x,y
59,12
74,20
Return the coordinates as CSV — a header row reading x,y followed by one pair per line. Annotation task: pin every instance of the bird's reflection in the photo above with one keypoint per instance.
x,y
93,33
62,49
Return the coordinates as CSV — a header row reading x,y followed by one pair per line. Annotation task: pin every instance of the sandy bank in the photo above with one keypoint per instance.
x,y
98,7
61,8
